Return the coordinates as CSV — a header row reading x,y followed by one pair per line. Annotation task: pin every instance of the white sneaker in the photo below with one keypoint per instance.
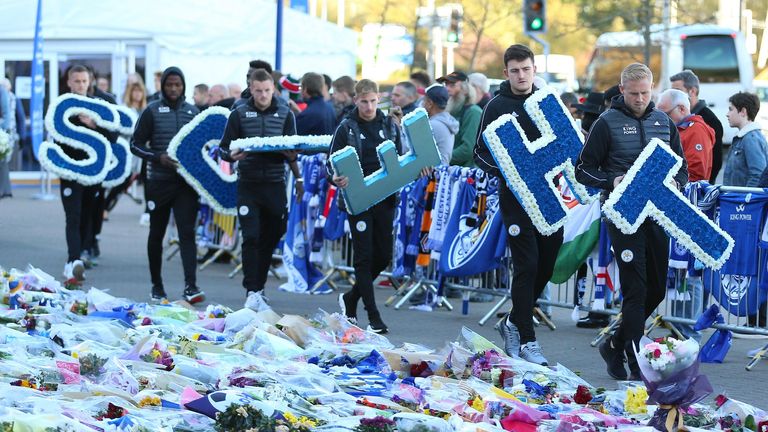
x,y
531,352
144,219
74,270
256,302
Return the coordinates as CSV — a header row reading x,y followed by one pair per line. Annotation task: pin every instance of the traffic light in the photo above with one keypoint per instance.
x,y
454,28
534,16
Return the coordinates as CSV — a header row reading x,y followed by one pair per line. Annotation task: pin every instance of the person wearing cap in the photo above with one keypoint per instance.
x,y
590,109
461,105
166,189
444,126
533,254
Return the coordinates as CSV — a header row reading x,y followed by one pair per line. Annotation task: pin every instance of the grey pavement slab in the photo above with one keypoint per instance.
x,y
32,232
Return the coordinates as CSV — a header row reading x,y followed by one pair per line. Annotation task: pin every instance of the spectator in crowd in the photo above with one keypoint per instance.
x,y
6,113
748,156
157,94
365,128
102,83
609,95
444,126
687,82
18,126
95,91
234,90
217,94
461,106
570,100
343,97
404,97
135,96
327,85
421,80
533,254
200,96
590,110
261,198
166,189
642,257
696,137
318,118
482,87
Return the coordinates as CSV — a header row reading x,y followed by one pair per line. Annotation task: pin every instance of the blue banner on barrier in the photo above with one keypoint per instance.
x,y
647,191
38,85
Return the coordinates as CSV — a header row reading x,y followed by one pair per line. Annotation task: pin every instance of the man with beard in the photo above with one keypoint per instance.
x,y
461,106
166,189
533,254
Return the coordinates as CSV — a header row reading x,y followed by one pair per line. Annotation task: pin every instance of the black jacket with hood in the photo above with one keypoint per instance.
x,y
505,102
157,126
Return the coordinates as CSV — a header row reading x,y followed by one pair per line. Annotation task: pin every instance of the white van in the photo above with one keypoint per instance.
x,y
716,54
561,69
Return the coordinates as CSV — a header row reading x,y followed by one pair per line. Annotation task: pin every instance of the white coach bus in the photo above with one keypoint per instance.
x,y
717,55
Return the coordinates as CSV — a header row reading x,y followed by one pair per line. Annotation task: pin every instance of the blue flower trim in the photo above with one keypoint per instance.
x,y
95,167
197,167
529,167
648,191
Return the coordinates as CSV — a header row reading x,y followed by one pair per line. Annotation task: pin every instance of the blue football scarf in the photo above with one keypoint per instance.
x,y
401,232
418,203
302,275
335,218
603,281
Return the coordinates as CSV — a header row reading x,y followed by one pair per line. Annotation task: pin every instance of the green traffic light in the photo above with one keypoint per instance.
x,y
453,37
536,24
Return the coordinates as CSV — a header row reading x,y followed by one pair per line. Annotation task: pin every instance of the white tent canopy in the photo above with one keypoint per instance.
x,y
211,42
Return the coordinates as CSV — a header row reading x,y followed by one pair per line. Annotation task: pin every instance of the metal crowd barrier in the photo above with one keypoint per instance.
x,y
220,233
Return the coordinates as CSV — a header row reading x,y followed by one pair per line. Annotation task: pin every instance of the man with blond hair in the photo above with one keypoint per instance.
x,y
364,129
614,143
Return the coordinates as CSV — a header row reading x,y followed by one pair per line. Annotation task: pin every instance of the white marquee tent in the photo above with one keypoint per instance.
x,y
212,41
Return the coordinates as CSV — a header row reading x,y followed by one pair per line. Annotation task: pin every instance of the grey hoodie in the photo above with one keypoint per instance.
x,y
444,128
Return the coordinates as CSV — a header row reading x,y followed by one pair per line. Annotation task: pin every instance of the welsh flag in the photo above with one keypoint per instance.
x,y
580,235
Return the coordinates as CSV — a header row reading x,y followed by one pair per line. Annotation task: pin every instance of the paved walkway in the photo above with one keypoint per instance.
x,y
32,232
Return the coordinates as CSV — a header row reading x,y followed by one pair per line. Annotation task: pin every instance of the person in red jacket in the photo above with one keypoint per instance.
x,y
696,136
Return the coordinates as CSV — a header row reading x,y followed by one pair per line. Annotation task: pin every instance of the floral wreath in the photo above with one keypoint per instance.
x,y
511,171
287,142
429,155
128,119
119,165
94,168
702,252
193,137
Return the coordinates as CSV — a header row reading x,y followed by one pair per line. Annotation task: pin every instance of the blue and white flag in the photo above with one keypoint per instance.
x,y
471,247
38,84
302,274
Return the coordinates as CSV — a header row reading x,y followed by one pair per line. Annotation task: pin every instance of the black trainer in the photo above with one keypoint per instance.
x,y
614,360
375,324
193,295
158,294
593,320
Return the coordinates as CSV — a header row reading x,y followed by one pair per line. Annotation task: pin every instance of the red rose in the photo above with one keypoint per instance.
x,y
582,396
657,353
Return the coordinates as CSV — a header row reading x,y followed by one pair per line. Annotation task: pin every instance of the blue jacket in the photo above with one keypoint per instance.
x,y
747,158
319,118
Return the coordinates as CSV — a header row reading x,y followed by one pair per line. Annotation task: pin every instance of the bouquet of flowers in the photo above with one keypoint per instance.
x,y
5,146
670,370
